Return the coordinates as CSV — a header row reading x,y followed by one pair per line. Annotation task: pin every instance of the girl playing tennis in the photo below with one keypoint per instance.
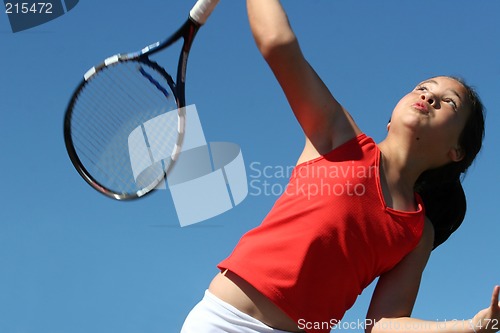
x,y
303,267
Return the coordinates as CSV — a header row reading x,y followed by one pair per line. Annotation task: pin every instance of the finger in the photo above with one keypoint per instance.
x,y
494,297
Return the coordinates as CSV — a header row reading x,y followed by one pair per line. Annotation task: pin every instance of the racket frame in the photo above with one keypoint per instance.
x,y
187,32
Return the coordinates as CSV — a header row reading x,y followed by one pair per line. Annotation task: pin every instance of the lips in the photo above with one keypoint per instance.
x,y
422,107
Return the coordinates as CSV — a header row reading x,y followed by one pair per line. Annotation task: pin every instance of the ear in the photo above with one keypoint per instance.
x,y
388,126
456,154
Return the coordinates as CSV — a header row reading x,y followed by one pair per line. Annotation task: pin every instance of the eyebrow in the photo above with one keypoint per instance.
x,y
452,90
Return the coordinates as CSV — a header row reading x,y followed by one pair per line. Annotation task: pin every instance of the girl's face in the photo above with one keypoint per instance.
x,y
435,113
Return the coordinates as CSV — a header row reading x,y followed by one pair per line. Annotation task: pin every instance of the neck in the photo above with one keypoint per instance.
x,y
401,165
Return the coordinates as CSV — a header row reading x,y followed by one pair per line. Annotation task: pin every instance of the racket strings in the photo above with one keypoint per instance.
x,y
92,148
131,83
124,100
114,103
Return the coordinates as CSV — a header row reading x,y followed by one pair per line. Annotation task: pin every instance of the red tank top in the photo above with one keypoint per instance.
x,y
327,237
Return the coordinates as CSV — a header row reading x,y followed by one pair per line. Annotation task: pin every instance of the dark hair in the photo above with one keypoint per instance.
x,y
445,206
441,188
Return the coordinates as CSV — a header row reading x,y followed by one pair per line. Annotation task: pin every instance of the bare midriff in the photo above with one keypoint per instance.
x,y
233,290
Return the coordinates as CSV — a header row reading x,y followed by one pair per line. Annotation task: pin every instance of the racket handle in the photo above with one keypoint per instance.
x,y
202,10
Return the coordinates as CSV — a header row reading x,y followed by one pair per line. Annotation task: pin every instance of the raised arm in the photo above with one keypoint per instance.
x,y
324,121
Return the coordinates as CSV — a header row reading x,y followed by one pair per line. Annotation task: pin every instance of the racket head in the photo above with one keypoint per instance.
x,y
124,127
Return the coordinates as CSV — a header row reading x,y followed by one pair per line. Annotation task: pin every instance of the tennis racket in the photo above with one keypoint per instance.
x,y
124,124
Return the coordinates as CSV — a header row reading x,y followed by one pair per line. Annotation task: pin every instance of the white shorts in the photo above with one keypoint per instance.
x,y
212,315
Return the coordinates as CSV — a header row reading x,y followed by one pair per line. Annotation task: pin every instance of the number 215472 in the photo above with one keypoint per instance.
x,y
28,8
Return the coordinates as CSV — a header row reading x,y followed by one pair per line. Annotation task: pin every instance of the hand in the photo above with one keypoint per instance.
x,y
488,320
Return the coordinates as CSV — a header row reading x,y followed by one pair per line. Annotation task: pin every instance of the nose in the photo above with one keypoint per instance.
x,y
428,97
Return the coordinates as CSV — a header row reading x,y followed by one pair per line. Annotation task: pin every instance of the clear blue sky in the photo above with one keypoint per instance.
x,y
74,261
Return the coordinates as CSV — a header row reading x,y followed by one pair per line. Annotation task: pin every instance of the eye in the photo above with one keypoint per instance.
x,y
451,102
421,88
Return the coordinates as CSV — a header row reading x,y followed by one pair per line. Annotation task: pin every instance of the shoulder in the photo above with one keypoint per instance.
x,y
349,144
427,239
